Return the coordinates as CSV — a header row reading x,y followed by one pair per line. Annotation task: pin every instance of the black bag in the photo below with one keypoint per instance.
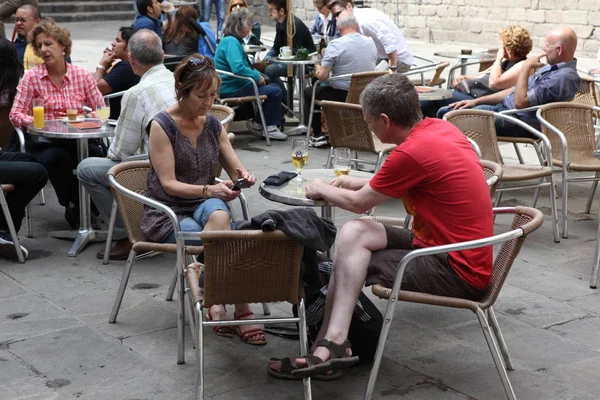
x,y
477,87
366,323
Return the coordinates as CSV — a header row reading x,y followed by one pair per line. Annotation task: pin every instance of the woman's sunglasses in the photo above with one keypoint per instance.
x,y
197,63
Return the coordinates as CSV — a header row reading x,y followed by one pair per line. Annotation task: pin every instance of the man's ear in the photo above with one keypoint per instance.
x,y
385,118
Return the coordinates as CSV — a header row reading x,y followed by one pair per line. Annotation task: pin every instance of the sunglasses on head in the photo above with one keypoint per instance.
x,y
197,63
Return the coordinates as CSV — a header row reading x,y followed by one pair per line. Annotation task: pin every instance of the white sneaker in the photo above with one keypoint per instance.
x,y
255,128
275,134
7,248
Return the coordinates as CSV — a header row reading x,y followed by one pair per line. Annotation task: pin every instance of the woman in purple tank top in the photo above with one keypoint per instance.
x,y
186,143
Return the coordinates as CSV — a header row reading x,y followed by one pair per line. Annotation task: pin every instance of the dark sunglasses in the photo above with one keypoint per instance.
x,y
337,14
197,63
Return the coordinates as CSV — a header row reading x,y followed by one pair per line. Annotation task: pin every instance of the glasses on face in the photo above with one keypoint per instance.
x,y
197,63
238,5
337,14
22,20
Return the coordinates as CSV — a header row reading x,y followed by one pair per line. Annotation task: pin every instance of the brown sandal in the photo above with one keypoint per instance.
x,y
287,367
339,360
250,333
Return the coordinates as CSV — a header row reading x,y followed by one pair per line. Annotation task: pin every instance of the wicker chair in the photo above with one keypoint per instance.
x,y
224,114
525,221
257,99
436,79
245,267
347,128
570,128
482,66
9,222
358,82
479,126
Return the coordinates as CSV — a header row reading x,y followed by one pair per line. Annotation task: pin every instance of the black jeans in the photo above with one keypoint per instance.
x,y
59,157
28,177
323,93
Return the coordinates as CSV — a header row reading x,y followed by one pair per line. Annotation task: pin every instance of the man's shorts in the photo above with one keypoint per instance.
x,y
429,274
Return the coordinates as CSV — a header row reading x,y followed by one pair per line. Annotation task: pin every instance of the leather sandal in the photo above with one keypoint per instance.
x,y
287,366
223,330
250,333
339,359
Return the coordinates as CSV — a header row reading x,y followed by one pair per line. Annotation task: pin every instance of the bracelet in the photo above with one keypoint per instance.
x,y
205,191
102,67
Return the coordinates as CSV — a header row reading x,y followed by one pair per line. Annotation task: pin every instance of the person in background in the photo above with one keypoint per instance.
x,y
114,73
556,81
392,49
18,169
325,24
26,18
149,16
141,103
230,57
340,58
219,10
186,144
9,7
301,38
503,74
180,38
61,86
253,37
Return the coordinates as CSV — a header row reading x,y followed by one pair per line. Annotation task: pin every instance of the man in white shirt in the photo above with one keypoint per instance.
x,y
389,41
154,93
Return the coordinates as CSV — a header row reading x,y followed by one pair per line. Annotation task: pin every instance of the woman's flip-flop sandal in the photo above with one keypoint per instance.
x,y
339,360
250,333
223,330
286,368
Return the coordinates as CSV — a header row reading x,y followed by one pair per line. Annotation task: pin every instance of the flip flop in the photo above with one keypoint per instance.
x,y
285,372
223,330
250,333
339,360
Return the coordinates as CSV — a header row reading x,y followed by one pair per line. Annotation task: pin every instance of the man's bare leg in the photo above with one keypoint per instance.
x,y
354,245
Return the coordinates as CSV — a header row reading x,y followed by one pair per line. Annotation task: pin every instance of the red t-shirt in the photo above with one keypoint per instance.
x,y
441,182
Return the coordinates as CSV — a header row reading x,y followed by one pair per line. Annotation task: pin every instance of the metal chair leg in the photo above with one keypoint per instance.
x,y
588,206
173,283
109,235
565,210
304,345
122,287
181,320
489,338
554,210
519,156
29,221
500,338
596,259
267,311
11,227
42,197
199,352
329,162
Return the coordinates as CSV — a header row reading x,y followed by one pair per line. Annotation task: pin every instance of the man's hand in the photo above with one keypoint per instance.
x,y
261,81
166,7
462,104
314,189
348,182
107,58
534,61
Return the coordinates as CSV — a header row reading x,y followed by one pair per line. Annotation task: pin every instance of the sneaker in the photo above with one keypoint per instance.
x,y
255,128
7,247
275,134
319,141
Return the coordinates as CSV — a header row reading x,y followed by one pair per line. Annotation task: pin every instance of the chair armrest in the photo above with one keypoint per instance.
x,y
543,138
21,137
113,95
137,157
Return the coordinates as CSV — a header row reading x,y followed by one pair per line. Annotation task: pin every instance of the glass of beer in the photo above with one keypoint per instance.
x,y
103,112
38,113
341,161
299,156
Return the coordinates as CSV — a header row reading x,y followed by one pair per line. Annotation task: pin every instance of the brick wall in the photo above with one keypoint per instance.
x,y
478,21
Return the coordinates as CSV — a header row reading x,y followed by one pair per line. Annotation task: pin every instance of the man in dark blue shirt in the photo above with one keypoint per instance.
x,y
556,81
26,17
149,17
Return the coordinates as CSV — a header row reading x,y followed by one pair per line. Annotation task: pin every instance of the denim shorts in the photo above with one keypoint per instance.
x,y
199,218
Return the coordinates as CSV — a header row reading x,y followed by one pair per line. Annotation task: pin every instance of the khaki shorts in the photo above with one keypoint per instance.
x,y
429,274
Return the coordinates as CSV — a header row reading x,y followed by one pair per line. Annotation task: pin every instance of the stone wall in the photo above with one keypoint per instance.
x,y
478,21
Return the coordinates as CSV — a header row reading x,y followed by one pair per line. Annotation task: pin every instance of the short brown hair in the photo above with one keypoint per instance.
x,y
517,39
195,71
59,33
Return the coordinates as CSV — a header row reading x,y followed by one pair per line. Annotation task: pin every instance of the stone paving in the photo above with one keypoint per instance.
x,y
56,342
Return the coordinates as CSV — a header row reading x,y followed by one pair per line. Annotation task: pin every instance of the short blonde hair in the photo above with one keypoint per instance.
x,y
49,27
517,39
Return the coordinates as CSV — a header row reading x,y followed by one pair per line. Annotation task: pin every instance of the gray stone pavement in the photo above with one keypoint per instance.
x,y
56,342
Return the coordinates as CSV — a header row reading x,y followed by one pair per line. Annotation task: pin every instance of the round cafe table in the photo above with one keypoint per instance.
x,y
293,193
463,58
58,129
300,76
433,93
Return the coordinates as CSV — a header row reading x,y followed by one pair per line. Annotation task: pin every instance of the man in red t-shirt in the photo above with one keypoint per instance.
x,y
437,175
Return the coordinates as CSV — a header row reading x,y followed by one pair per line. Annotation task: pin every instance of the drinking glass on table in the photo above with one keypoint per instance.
x,y
299,156
341,161
103,113
38,113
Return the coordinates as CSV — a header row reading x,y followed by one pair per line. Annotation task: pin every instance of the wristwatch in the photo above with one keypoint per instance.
x,y
393,67
100,66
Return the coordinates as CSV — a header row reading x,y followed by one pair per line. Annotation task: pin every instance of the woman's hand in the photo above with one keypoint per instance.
x,y
250,179
261,81
222,191
458,80
463,104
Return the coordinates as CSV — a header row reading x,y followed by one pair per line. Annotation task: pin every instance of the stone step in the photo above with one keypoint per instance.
x,y
92,16
68,7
